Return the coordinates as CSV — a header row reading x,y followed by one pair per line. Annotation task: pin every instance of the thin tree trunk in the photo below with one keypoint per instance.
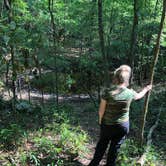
x,y
90,41
29,91
14,75
133,37
98,93
142,159
7,78
20,87
37,63
100,24
50,8
148,39
40,76
8,6
156,53
140,79
7,73
111,27
101,37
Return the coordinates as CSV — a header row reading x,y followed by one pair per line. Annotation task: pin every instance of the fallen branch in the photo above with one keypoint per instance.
x,y
142,159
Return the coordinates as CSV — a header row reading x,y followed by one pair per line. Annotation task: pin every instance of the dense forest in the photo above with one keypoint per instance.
x,y
56,57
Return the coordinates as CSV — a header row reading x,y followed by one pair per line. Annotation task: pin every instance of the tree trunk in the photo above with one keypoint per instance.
x,y
7,77
101,37
90,41
29,90
147,41
50,8
142,159
14,75
20,87
37,63
98,93
8,6
133,37
156,53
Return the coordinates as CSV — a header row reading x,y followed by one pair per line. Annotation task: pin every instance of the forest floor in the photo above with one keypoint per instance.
x,y
85,116
88,122
87,119
82,114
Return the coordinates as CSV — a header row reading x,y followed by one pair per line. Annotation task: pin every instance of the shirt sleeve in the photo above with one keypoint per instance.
x,y
133,93
105,94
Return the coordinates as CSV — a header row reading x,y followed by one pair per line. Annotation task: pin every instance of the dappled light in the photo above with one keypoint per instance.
x,y
82,83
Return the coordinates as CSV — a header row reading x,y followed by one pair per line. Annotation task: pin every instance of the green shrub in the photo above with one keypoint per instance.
x,y
24,106
10,136
64,82
46,146
72,139
57,142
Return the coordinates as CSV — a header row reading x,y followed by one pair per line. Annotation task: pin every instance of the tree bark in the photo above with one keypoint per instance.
x,y
156,53
8,6
50,8
100,24
20,87
14,75
29,90
133,37
147,41
102,43
7,77
37,63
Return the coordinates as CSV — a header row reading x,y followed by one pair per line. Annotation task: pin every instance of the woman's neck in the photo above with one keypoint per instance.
x,y
123,85
119,88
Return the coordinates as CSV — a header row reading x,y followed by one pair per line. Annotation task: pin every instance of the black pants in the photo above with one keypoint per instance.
x,y
110,133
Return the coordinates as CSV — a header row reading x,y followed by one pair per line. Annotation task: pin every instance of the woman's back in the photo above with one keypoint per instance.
x,y
118,103
114,115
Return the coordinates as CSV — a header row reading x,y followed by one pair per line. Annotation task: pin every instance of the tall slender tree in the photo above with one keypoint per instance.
x,y
8,5
50,8
133,41
102,42
155,59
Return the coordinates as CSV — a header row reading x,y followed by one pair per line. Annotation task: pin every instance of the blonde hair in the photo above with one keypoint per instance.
x,y
122,75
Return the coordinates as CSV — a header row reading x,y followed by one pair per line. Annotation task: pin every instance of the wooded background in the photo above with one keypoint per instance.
x,y
71,47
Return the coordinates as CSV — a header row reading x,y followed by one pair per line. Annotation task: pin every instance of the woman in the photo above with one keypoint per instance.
x,y
114,115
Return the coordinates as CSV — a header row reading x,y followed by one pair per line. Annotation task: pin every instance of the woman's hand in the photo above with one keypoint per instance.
x,y
148,87
143,92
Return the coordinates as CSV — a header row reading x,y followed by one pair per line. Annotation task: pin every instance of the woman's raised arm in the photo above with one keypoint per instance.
x,y
143,92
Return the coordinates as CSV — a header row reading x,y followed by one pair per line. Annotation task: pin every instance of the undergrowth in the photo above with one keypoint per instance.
x,y
51,136
40,136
